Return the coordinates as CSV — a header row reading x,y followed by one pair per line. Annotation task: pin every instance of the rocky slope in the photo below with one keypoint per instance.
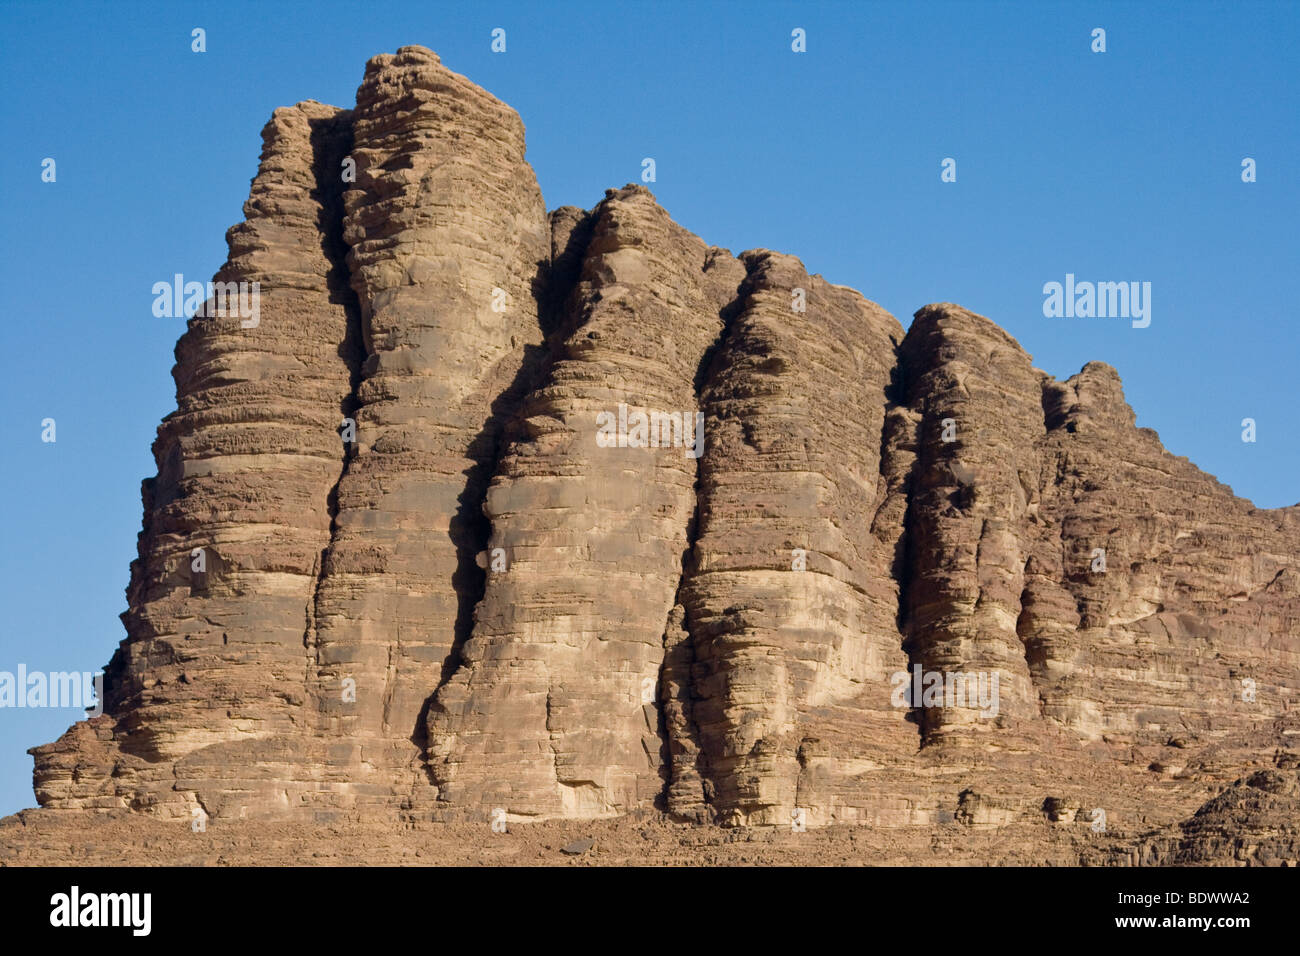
x,y
502,513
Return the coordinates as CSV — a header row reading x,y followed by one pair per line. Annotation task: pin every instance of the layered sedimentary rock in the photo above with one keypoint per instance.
x,y
590,508
971,502
446,234
1256,821
1156,596
467,547
789,600
212,678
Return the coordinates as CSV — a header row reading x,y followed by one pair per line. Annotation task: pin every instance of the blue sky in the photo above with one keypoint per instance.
x,y
1123,165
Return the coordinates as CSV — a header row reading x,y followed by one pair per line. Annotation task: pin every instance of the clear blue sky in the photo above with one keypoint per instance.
x,y
1117,166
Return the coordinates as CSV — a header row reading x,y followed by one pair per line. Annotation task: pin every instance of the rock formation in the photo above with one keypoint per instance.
x,y
545,713
446,232
574,515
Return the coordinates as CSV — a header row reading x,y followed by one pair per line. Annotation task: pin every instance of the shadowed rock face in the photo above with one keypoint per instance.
x,y
464,546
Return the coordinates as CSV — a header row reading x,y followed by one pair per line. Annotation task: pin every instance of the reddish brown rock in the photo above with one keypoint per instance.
x,y
972,499
446,233
789,601
215,659
548,715
477,604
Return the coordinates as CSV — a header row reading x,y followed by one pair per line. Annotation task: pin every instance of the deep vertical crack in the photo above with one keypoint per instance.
x,y
685,652
331,140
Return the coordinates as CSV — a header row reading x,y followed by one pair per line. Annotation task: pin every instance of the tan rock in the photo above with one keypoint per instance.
x,y
446,232
553,710
911,582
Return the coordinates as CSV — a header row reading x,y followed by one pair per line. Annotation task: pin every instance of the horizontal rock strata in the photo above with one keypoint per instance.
x,y
446,234
441,536
790,601
212,678
547,715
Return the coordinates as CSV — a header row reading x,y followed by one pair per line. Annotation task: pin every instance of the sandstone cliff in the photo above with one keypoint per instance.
x,y
464,547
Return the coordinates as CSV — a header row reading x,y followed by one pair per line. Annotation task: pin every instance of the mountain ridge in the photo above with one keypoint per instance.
x,y
532,622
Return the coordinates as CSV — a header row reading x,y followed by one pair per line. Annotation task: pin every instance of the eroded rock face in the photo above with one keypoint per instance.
x,y
446,234
971,500
1255,822
213,676
790,601
590,513
466,547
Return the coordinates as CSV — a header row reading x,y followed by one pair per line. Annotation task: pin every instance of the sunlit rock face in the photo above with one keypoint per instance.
x,y
575,515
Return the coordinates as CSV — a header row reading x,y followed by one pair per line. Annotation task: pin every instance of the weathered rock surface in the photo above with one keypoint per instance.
x,y
905,580
547,715
446,233
213,677
1256,821
790,601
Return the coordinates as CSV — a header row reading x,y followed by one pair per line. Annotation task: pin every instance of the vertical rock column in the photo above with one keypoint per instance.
x,y
790,603
446,229
207,698
552,712
974,496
